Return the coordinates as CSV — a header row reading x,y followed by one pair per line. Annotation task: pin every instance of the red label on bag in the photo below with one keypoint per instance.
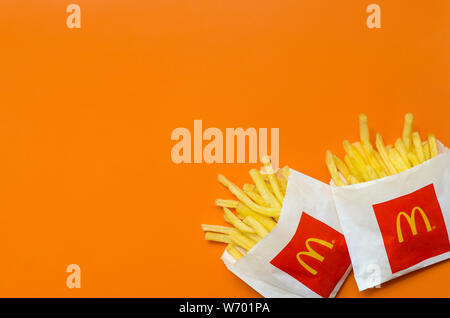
x,y
412,227
316,256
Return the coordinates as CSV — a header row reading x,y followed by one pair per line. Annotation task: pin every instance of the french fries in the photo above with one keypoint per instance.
x,y
234,251
256,209
362,162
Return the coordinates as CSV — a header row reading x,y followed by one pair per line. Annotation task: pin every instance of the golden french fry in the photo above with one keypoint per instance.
x,y
283,176
413,159
352,168
285,171
407,129
263,189
362,162
433,145
236,222
352,179
216,237
384,155
342,168
356,159
381,162
233,251
249,187
216,228
227,203
401,149
256,197
243,211
333,170
376,165
372,160
396,160
360,150
353,154
272,178
258,227
254,237
246,200
283,183
426,150
241,240
371,172
364,129
417,142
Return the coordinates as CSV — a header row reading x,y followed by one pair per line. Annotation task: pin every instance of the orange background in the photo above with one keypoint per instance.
x,y
86,117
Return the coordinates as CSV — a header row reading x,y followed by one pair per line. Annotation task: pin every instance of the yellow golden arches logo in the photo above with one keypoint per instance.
x,y
312,253
412,222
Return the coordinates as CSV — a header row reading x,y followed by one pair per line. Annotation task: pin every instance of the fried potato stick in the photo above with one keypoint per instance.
x,y
254,237
401,149
283,176
360,150
227,203
233,251
407,129
333,170
216,237
342,168
364,129
256,197
285,171
352,168
374,162
258,227
426,150
396,160
433,145
413,159
243,211
352,179
263,189
371,172
356,159
381,162
241,240
417,142
246,200
272,178
249,187
216,228
231,218
384,154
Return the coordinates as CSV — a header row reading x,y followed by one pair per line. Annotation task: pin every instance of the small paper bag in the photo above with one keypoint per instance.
x,y
397,224
305,255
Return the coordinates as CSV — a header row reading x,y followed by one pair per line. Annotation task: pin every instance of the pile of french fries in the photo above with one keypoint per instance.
x,y
363,162
256,209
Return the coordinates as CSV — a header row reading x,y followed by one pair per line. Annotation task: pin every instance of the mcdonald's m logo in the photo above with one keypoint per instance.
x,y
312,253
316,256
412,222
412,227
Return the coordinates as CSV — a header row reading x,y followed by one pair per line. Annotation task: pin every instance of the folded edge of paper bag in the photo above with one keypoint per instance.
x,y
382,221
272,266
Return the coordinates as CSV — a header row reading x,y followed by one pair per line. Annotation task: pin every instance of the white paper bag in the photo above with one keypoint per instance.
x,y
397,224
305,255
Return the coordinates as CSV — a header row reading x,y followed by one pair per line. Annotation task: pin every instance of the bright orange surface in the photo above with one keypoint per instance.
x,y
86,117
